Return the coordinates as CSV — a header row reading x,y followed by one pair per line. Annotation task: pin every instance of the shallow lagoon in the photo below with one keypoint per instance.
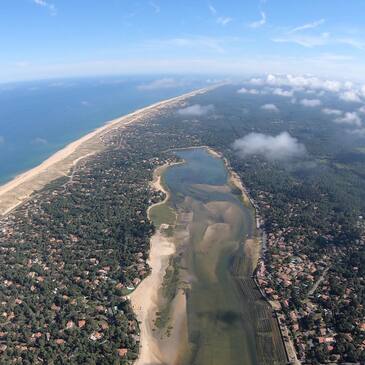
x,y
217,222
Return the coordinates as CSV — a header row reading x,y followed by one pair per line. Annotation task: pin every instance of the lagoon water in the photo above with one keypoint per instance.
x,y
228,322
217,223
39,118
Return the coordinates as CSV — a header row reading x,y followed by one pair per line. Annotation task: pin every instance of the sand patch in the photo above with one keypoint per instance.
x,y
212,188
224,211
172,347
252,250
145,299
214,234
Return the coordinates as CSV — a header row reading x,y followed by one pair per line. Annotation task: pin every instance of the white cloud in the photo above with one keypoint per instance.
x,y
285,93
352,42
165,83
333,86
212,9
329,111
196,110
311,102
349,118
260,22
243,90
312,25
308,41
43,3
350,96
280,147
224,20
363,90
299,82
348,85
257,81
362,110
221,20
270,107
358,132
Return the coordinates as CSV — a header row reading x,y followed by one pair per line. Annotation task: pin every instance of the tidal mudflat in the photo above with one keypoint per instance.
x,y
209,310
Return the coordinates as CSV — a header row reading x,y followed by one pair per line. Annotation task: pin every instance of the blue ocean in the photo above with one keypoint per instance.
x,y
39,118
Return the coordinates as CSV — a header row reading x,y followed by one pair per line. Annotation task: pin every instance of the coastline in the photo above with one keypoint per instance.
x,y
20,189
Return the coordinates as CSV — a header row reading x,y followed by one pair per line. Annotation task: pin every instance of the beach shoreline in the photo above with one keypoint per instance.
x,y
18,190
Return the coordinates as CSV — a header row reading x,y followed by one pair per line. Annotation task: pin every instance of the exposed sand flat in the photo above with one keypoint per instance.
x,y
146,302
20,189
174,345
237,182
212,188
224,211
252,249
214,233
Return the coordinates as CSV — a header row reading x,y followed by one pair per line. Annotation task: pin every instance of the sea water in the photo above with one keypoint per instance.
x,y
39,118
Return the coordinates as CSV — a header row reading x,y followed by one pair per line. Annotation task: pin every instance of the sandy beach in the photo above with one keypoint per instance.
x,y
18,190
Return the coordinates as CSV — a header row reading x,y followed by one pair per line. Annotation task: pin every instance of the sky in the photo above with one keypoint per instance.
x,y
67,38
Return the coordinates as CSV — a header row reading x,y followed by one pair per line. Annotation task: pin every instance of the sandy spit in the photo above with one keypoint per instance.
x,y
18,190
145,299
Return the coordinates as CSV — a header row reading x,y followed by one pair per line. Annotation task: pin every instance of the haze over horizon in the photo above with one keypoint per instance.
x,y
55,39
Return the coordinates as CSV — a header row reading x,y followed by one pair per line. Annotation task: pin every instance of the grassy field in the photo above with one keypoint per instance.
x,y
162,214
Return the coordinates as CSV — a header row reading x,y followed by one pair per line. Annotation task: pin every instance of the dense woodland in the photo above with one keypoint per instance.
x,y
71,255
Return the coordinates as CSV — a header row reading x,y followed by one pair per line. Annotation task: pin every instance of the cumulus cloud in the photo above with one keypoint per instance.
x,y
270,107
243,90
349,118
350,96
280,147
196,110
286,93
307,82
311,103
329,111
165,83
260,22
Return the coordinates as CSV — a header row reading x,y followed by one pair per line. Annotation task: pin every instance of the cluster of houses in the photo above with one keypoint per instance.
x,y
297,285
